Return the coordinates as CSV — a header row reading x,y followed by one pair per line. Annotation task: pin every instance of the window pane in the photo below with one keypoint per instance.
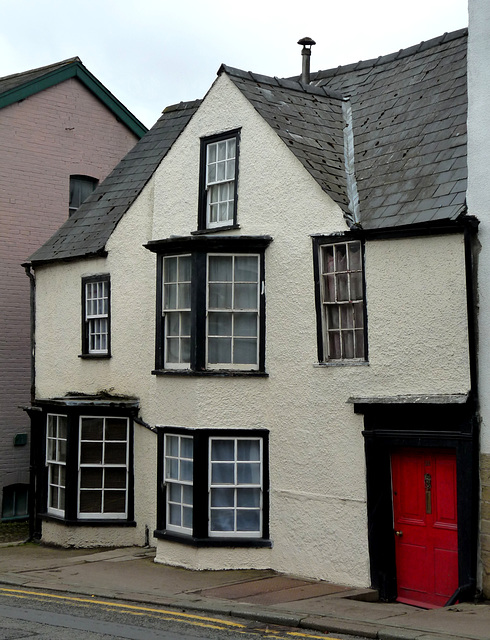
x,y
342,287
219,350
62,426
174,492
185,323
359,337
173,324
356,286
222,450
223,497
330,288
245,296
355,259
248,497
187,447
248,473
219,324
187,494
185,266
341,257
328,260
245,351
90,453
334,345
333,317
248,450
347,316
172,445
187,517
348,344
91,478
358,314
114,501
246,268
172,353
170,265
90,501
220,268
170,296
222,520
92,428
174,515
245,324
172,469
116,429
186,470
184,292
115,478
248,520
223,473
115,453
220,296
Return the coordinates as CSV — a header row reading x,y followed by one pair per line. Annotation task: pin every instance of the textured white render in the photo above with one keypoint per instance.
x,y
478,195
417,345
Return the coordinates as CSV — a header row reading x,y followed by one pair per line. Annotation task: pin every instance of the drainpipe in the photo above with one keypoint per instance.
x,y
306,54
33,519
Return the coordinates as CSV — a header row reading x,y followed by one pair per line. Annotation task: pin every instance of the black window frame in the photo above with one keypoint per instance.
x,y
200,536
76,199
202,224
73,415
199,247
318,243
86,353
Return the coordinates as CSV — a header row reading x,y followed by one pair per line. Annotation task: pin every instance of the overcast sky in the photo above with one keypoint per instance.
x,y
153,53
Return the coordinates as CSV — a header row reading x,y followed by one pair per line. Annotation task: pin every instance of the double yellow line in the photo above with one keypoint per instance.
x,y
163,614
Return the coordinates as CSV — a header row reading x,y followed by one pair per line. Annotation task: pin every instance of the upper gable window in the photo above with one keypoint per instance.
x,y
80,189
341,300
218,181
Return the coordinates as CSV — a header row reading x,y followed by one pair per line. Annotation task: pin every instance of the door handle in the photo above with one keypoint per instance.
x,y
399,533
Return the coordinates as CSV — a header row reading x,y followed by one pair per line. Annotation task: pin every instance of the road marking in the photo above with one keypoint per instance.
x,y
163,614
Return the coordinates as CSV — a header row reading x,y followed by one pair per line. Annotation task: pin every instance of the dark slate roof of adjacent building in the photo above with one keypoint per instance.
x,y
87,231
409,114
22,85
385,138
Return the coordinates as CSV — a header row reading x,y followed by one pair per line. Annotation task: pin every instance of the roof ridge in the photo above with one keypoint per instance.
x,y
390,57
292,84
45,68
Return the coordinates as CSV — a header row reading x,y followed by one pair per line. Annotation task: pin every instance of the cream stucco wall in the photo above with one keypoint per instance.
x,y
416,330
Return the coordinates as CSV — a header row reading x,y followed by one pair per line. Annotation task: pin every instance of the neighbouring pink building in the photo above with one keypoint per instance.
x,y
61,132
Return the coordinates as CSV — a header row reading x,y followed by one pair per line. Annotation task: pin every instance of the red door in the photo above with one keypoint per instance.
x,y
425,525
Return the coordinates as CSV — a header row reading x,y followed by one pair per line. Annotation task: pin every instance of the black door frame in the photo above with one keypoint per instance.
x,y
427,425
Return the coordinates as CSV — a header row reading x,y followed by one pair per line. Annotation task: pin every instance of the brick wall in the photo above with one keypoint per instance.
x,y
45,138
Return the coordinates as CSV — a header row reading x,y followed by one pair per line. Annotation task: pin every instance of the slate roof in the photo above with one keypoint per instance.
x,y
87,231
310,120
385,138
22,85
409,113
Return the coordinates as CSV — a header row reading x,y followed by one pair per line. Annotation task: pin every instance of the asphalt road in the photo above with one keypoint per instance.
x,y
49,616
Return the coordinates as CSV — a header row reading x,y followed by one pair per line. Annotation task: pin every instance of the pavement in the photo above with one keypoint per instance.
x,y
131,574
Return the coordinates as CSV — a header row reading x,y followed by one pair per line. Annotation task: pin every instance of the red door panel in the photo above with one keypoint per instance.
x,y
425,525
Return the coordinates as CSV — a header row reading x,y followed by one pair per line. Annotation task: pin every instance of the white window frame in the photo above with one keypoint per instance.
x,y
235,311
166,313
236,485
352,306
103,515
177,482
97,321
228,181
58,460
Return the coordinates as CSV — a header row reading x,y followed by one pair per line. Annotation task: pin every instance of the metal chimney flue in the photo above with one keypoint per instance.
x,y
306,53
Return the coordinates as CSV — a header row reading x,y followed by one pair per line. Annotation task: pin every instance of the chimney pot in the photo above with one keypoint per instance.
x,y
306,53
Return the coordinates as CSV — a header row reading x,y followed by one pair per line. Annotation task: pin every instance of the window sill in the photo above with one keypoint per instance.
x,y
223,373
227,227
88,523
342,363
95,356
213,542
